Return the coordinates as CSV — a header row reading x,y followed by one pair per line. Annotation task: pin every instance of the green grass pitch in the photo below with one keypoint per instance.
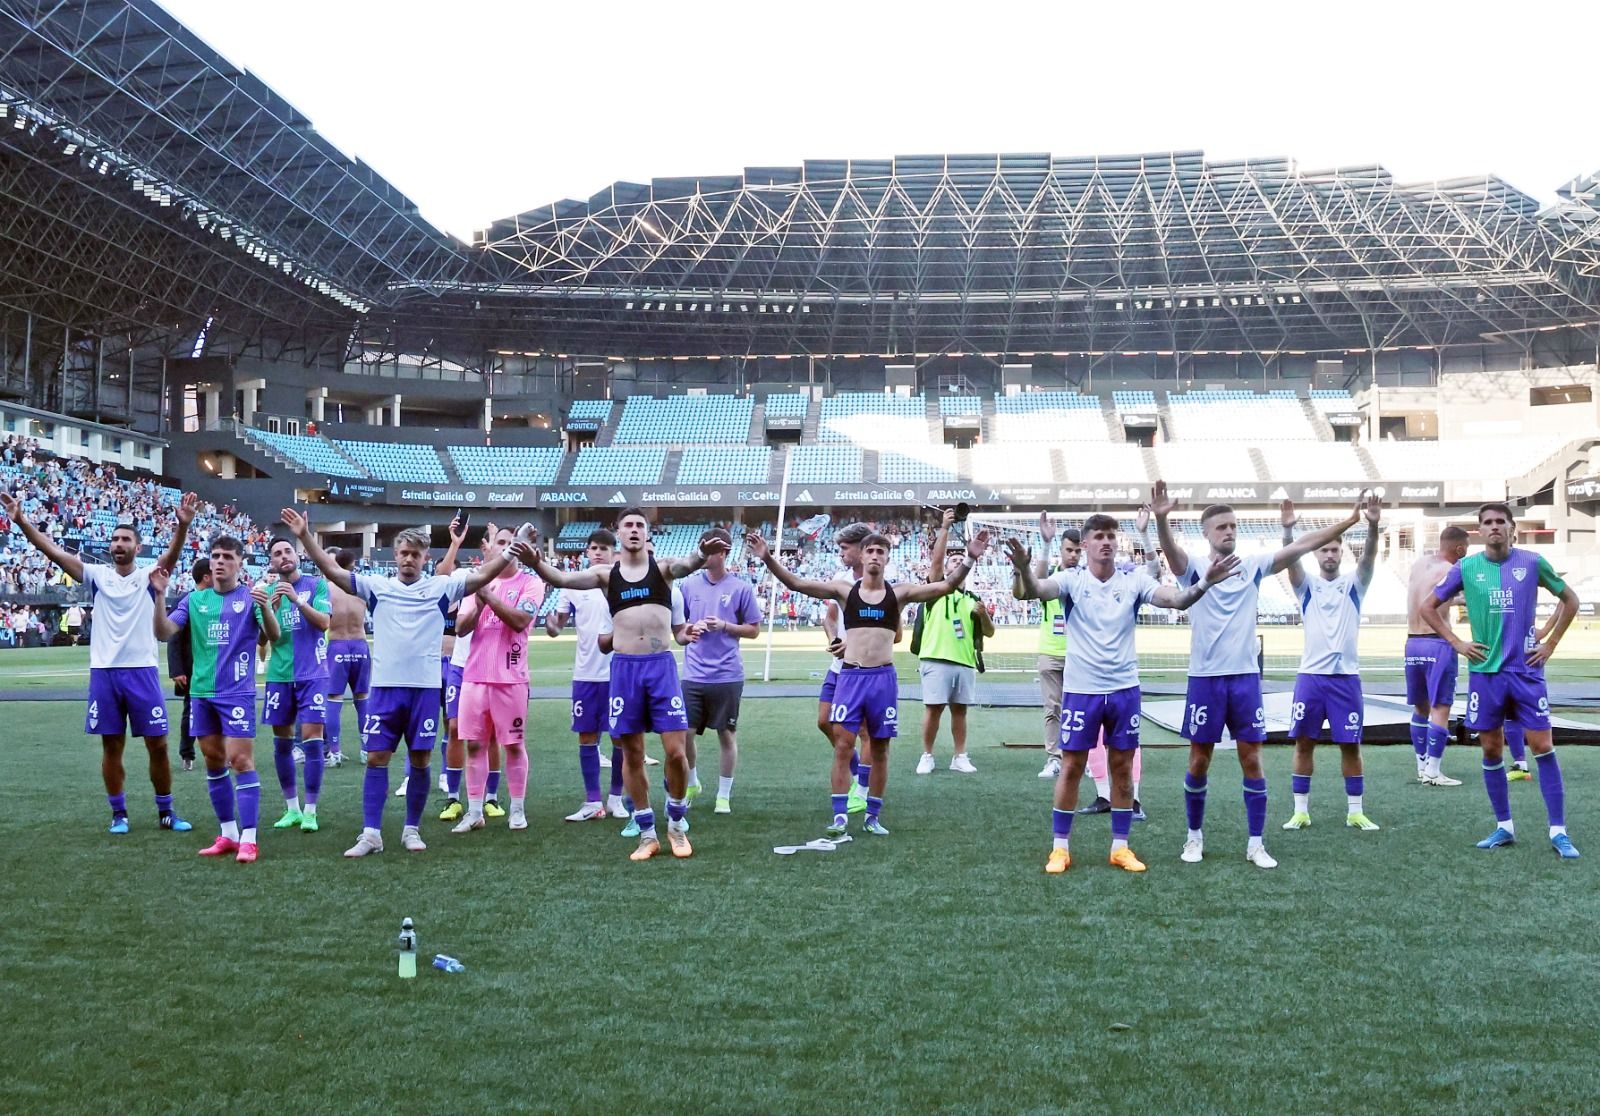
x,y
937,970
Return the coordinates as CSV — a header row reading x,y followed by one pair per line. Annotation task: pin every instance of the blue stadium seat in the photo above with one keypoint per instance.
x,y
725,465
397,461
684,419
618,465
507,464
309,452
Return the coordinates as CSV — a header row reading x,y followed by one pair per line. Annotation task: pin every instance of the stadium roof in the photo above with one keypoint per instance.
x,y
1012,253
148,183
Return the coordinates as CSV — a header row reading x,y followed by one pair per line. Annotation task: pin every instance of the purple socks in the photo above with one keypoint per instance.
x,y
616,770
1300,784
316,762
589,764
490,790
163,805
1194,801
1121,823
1438,740
1550,785
374,793
1419,736
874,807
247,789
1494,781
283,761
452,781
1516,742
1255,805
330,727
221,789
417,793
841,803
118,804
1354,786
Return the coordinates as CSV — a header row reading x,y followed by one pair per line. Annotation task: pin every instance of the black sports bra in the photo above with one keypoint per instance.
x,y
622,594
859,614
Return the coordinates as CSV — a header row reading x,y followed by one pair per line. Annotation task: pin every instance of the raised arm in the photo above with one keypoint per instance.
x,y
1025,576
674,568
1047,536
1369,553
1162,505
1305,544
300,527
1297,573
913,594
166,628
1141,530
818,590
1167,596
527,551
452,555
487,571
941,541
70,563
187,506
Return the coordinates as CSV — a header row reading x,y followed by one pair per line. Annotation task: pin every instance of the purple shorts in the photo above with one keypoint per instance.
x,y
1233,700
233,717
589,706
645,694
830,686
870,695
1431,667
295,703
349,667
450,690
125,696
1084,715
1331,698
1494,699
394,712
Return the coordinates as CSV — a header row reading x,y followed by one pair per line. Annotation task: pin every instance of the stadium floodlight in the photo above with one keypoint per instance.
x,y
70,149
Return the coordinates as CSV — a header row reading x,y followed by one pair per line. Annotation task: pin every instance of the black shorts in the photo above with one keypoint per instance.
x,y
712,705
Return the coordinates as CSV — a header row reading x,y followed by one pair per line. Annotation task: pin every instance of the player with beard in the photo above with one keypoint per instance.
x,y
867,695
349,660
1224,675
297,680
124,676
645,694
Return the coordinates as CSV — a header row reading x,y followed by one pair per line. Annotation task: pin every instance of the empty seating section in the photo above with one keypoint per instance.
x,y
599,409
924,464
725,465
507,464
824,465
788,405
685,419
1315,461
1112,463
1200,416
618,465
676,540
1326,400
1191,462
309,452
396,461
960,405
1049,416
574,536
1142,401
1012,463
874,420
1476,459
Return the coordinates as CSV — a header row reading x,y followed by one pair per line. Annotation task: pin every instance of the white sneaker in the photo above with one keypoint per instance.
x,y
400,791
925,764
469,821
1260,857
1194,850
365,845
651,761
589,811
334,759
519,816
962,764
411,839
1051,769
614,806
1440,780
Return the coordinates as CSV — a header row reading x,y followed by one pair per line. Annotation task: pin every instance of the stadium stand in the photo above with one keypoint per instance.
x,y
824,465
597,409
1204,461
1142,401
872,420
1324,399
309,452
506,464
960,405
396,461
1049,416
574,536
788,405
1109,463
1312,461
1476,459
685,419
1012,463
1225,415
925,464
618,465
725,465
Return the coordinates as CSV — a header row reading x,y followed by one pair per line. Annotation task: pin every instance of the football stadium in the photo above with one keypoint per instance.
x,y
1112,477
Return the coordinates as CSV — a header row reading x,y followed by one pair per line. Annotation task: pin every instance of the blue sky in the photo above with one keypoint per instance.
x,y
480,109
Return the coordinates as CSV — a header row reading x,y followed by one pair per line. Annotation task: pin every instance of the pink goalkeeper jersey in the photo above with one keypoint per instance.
x,y
499,654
